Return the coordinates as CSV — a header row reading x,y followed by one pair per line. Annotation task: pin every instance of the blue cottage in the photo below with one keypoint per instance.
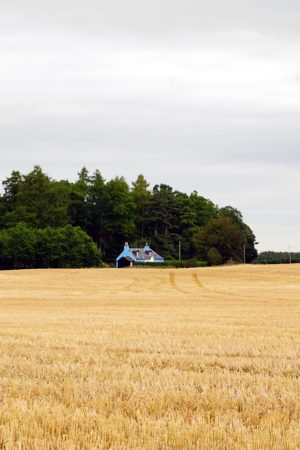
x,y
132,255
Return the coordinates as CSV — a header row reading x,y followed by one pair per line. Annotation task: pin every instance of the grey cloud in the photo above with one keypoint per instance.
x,y
156,17
201,95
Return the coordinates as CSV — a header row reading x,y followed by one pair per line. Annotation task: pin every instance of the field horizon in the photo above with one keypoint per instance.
x,y
148,358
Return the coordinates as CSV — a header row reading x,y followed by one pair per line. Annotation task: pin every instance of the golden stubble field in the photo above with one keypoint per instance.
x,y
150,358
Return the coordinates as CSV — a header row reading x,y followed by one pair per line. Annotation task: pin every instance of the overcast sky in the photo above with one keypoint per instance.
x,y
201,95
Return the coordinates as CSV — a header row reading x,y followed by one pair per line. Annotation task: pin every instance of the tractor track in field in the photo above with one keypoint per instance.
x,y
174,285
134,285
197,281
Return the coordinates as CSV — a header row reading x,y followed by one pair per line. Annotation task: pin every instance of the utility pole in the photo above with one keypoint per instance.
x,y
290,256
179,250
244,253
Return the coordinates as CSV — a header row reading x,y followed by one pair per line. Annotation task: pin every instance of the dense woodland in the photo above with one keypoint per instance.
x,y
49,223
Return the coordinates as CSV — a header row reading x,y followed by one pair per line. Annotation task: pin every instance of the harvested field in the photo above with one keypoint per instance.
x,y
150,358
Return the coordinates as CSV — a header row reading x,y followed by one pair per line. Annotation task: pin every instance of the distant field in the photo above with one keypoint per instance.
x,y
150,358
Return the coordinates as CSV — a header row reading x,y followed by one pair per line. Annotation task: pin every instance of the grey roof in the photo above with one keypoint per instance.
x,y
141,254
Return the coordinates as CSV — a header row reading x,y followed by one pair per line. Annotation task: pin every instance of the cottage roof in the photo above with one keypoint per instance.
x,y
145,254
139,254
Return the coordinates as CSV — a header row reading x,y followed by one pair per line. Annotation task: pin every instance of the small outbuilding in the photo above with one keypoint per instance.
x,y
137,255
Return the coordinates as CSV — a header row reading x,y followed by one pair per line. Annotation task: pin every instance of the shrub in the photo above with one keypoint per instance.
x,y
25,247
173,263
214,257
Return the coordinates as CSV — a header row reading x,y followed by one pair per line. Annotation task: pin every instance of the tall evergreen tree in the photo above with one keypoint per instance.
x,y
119,223
203,208
38,201
164,221
11,187
3,211
79,211
98,210
187,223
141,196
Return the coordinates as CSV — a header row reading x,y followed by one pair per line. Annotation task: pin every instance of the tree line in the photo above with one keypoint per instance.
x,y
81,223
270,257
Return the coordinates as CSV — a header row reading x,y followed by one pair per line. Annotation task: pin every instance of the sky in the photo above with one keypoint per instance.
x,y
199,95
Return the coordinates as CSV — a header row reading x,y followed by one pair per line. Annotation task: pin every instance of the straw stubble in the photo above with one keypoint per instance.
x,y
150,358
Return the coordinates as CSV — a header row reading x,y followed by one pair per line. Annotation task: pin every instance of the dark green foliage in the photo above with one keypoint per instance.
x,y
187,263
17,247
78,208
249,240
222,234
119,218
277,258
36,200
24,247
163,208
11,187
141,196
161,229
214,257
97,200
204,209
111,212
3,211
